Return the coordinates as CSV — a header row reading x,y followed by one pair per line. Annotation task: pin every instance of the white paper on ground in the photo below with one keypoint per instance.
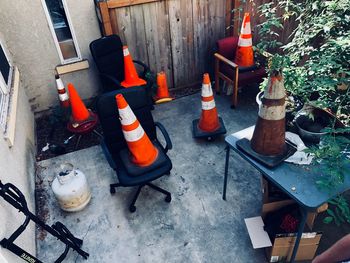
x,y
258,236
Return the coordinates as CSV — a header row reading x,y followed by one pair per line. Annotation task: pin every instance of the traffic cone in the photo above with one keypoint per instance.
x,y
62,94
269,133
131,77
162,90
143,152
209,120
244,53
209,123
79,112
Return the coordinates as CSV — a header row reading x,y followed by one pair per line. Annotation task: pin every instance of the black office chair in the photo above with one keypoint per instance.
x,y
107,53
114,144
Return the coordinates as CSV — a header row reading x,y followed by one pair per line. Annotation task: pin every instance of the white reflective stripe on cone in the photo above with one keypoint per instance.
x,y
246,30
63,97
208,105
206,90
126,52
59,84
272,113
245,42
134,135
127,117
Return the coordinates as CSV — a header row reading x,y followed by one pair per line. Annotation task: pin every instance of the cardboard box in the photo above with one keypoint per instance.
x,y
273,199
282,247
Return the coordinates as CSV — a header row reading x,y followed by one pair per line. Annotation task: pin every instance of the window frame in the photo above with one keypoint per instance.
x,y
53,33
5,90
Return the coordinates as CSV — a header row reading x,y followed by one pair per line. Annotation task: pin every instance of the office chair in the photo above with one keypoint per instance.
x,y
107,53
227,70
114,144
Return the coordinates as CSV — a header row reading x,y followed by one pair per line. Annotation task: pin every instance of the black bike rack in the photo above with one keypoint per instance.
x,y
14,196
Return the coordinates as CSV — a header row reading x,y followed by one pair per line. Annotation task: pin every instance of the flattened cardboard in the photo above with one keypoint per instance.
x,y
258,236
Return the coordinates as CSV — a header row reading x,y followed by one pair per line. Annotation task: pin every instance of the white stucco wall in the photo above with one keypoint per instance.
x,y
33,50
17,167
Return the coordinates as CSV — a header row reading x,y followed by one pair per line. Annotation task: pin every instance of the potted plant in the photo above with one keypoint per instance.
x,y
316,68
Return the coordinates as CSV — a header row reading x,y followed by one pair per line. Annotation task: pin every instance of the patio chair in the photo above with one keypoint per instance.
x,y
227,70
107,53
114,144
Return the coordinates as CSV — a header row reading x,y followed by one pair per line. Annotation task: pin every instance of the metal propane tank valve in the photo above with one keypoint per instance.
x,y
71,188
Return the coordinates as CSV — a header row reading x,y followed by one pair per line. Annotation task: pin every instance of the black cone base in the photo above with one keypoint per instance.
x,y
198,133
269,161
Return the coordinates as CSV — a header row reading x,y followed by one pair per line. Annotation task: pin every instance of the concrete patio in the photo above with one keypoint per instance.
x,y
197,226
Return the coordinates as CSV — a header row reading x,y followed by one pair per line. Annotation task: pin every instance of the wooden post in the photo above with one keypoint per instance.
x,y
228,18
106,21
235,18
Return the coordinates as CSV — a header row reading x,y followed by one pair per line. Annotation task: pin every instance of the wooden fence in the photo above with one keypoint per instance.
x,y
176,36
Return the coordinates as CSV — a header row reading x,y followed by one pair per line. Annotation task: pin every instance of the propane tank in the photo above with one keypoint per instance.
x,y
71,188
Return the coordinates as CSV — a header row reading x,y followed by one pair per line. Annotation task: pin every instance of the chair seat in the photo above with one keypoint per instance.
x,y
254,76
153,172
135,170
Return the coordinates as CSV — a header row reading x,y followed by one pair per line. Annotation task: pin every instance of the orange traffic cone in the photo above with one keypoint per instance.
x,y
79,112
143,152
269,133
130,74
244,53
62,94
209,120
162,91
209,123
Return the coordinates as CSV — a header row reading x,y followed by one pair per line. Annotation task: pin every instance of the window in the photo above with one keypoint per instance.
x,y
62,30
5,85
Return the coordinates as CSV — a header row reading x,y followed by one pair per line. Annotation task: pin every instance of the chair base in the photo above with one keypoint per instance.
x,y
132,207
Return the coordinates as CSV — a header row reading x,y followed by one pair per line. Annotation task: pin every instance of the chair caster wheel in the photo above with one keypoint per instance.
x,y
112,190
168,198
132,208
233,107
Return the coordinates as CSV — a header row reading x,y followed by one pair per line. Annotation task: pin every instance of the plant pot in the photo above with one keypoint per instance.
x,y
310,130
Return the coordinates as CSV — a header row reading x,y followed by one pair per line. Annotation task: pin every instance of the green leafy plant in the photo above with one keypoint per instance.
x,y
341,213
316,67
332,153
316,60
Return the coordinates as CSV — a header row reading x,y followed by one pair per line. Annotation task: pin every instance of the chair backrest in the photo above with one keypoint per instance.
x,y
227,47
107,111
107,53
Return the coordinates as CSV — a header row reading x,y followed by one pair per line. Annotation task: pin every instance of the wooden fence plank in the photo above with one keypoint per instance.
x,y
209,26
106,23
158,39
126,3
181,34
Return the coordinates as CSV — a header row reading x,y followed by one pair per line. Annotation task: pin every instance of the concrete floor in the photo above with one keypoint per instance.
x,y
197,226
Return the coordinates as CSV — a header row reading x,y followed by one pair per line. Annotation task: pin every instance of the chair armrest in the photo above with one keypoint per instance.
x,y
225,60
108,155
109,82
169,145
145,67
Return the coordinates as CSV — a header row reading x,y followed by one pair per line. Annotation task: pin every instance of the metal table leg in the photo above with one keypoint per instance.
x,y
226,171
300,232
